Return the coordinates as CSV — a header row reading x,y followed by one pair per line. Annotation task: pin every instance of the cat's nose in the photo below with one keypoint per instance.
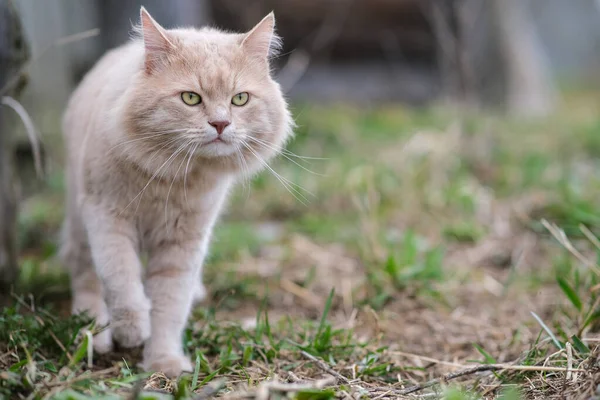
x,y
219,125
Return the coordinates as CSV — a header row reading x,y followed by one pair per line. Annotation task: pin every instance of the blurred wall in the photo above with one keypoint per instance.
x,y
570,33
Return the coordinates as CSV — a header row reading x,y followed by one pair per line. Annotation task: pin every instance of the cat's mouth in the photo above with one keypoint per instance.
x,y
216,146
217,140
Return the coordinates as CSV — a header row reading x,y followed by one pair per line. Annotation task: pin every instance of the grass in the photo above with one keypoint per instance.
x,y
420,264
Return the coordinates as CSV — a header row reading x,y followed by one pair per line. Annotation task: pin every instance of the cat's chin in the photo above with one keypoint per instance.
x,y
217,149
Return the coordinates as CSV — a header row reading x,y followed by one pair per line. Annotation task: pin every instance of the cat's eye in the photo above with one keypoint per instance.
x,y
240,99
191,98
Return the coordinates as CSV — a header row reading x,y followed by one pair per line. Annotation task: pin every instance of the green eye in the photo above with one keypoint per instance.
x,y
191,98
240,99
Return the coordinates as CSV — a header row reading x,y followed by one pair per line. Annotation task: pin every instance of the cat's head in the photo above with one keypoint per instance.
x,y
208,95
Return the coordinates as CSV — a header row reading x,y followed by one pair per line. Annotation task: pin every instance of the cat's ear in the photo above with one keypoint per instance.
x,y
262,41
156,41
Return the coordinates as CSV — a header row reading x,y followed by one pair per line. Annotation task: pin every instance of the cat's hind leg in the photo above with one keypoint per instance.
x,y
85,285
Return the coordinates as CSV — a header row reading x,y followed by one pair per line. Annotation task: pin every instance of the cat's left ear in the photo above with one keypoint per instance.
x,y
156,41
262,41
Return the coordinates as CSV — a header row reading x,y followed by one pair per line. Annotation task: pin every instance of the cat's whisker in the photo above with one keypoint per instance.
x,y
289,153
145,137
177,152
153,177
156,152
187,145
245,170
271,147
131,141
149,162
185,173
289,186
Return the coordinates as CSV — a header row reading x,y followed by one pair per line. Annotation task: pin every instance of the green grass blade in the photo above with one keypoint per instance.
x,y
592,317
579,345
80,353
181,390
315,394
548,331
511,394
196,373
324,316
488,358
208,378
570,293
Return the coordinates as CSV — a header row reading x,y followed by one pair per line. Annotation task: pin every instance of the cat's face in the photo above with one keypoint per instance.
x,y
208,95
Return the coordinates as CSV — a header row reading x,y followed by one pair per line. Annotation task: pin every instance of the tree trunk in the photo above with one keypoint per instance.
x,y
13,54
529,87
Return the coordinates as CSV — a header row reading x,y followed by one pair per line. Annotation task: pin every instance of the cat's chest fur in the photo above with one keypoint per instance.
x,y
161,208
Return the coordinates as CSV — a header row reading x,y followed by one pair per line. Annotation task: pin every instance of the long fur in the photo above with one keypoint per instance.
x,y
144,174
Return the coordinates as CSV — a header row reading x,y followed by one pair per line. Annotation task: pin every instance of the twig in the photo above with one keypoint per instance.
x,y
30,129
569,360
295,387
589,235
476,369
209,391
83,376
562,238
77,37
300,292
59,42
59,343
382,395
323,366
429,359
267,387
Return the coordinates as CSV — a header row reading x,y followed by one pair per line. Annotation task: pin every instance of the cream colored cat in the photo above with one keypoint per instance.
x,y
157,133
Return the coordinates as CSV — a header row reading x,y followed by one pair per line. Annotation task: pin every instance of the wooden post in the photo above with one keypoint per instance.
x,y
13,54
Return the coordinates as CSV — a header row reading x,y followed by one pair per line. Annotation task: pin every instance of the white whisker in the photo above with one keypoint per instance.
x,y
289,186
185,173
145,137
152,178
245,170
271,147
288,152
171,187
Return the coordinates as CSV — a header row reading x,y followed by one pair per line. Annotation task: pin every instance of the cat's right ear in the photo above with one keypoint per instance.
x,y
156,41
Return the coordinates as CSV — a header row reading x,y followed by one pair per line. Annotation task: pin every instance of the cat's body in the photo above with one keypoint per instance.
x,y
149,169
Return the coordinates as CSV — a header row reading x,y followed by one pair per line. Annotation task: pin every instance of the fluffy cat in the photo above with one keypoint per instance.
x,y
156,134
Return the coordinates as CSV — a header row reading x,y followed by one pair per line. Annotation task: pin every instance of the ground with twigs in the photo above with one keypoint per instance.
x,y
422,254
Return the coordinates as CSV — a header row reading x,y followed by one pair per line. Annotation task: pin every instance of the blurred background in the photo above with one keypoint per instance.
x,y
412,51
510,57
432,117
433,138
427,117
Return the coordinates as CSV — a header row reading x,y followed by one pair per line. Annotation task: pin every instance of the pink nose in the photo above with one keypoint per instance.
x,y
220,125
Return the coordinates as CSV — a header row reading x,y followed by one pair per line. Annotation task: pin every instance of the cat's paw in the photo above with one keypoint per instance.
x,y
102,341
199,292
130,328
93,304
170,365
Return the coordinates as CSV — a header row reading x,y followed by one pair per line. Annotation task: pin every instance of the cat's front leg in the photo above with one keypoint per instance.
x,y
171,282
113,246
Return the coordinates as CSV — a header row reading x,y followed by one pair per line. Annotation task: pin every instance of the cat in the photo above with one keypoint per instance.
x,y
156,135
